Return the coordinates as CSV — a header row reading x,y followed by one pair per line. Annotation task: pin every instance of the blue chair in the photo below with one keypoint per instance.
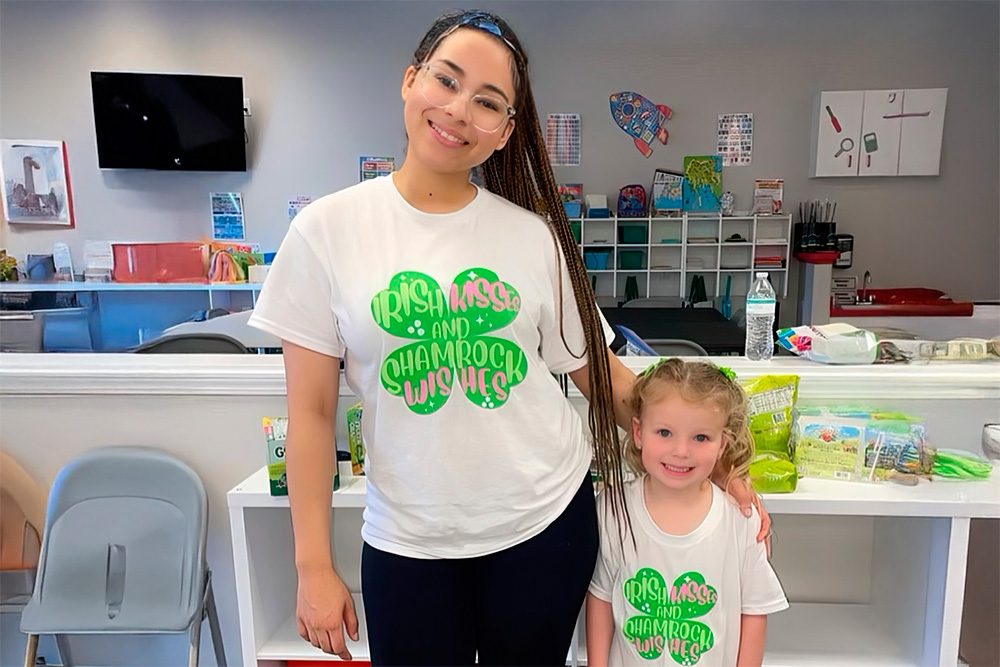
x,y
123,552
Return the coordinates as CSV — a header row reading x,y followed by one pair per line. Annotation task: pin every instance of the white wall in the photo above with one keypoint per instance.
x,y
324,77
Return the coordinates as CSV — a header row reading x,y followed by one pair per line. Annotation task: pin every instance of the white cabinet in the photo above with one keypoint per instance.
x,y
875,573
878,132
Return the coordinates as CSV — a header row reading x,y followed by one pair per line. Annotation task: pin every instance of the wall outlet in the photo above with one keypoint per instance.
x,y
246,107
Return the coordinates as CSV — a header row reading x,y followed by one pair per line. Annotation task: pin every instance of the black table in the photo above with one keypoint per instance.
x,y
705,326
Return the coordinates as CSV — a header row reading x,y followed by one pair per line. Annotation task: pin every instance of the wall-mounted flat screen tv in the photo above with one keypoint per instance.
x,y
180,122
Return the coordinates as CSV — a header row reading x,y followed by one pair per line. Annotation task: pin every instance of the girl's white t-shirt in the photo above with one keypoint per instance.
x,y
677,599
450,328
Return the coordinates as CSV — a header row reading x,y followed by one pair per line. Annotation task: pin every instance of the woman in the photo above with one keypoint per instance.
x,y
430,287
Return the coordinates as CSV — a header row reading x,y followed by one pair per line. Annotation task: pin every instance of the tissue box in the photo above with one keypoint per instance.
x,y
597,206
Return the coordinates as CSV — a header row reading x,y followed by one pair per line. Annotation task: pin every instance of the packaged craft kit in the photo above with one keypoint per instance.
x,y
860,444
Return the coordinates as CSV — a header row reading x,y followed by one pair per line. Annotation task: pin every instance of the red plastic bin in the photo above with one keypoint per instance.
x,y
159,263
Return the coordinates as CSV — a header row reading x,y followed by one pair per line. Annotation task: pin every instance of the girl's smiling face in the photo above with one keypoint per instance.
x,y
680,441
444,139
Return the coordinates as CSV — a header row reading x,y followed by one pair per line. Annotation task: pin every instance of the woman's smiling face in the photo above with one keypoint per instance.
x,y
445,139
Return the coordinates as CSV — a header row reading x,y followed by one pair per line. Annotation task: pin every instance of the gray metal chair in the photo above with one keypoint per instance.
x,y
124,552
193,343
676,347
655,302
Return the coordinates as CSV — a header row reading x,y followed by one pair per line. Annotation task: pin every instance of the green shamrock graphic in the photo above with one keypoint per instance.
x,y
667,616
452,342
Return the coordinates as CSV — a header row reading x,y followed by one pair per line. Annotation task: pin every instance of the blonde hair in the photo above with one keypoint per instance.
x,y
700,383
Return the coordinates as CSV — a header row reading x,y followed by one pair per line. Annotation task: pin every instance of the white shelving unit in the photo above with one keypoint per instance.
x,y
27,286
918,542
210,288
671,250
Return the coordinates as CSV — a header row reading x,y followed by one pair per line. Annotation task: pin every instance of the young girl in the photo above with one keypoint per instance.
x,y
452,307
695,586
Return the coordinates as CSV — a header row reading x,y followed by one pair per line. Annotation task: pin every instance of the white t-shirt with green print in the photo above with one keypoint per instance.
x,y
677,599
449,325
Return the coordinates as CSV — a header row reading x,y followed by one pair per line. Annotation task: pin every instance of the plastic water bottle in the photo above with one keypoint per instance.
x,y
760,319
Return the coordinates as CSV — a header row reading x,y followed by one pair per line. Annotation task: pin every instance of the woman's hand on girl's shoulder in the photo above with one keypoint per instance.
x,y
744,495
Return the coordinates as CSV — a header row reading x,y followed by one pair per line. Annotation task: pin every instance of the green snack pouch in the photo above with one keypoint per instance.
x,y
771,472
275,434
770,403
355,442
275,431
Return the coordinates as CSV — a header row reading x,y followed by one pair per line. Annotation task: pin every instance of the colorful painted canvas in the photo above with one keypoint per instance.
x,y
702,183
36,183
667,193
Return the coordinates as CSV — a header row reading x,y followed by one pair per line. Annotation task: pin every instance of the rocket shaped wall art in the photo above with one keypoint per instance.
x,y
640,118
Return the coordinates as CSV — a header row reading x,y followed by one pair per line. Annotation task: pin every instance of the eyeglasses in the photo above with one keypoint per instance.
x,y
439,87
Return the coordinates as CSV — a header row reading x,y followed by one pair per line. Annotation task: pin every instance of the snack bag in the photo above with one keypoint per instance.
x,y
770,406
771,472
893,445
828,446
354,438
275,434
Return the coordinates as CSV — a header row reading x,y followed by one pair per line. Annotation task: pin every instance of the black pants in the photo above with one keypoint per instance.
x,y
515,607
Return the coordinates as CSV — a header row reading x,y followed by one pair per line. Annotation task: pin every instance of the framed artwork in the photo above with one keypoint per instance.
x,y
667,193
36,183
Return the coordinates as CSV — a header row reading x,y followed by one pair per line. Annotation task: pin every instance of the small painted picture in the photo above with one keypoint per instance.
x,y
667,193
702,183
36,183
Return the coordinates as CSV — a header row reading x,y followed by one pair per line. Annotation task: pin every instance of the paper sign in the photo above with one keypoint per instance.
x,y
562,138
296,205
227,216
373,167
735,139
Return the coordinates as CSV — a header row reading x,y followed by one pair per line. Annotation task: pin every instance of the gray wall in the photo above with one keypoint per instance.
x,y
324,77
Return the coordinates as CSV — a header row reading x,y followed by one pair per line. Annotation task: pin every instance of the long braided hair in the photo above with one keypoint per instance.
x,y
522,174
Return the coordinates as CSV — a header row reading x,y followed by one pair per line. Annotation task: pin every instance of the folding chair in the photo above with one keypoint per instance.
x,y
124,552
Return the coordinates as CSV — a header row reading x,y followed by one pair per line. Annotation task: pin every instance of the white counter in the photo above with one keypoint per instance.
x,y
207,409
263,375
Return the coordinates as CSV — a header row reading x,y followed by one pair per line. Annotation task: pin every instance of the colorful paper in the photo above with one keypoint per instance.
x,y
735,137
373,167
296,205
227,216
562,138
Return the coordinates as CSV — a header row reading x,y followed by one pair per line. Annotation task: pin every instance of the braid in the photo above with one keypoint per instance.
x,y
521,173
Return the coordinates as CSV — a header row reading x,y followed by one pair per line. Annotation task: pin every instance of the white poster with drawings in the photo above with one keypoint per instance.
x,y
735,139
